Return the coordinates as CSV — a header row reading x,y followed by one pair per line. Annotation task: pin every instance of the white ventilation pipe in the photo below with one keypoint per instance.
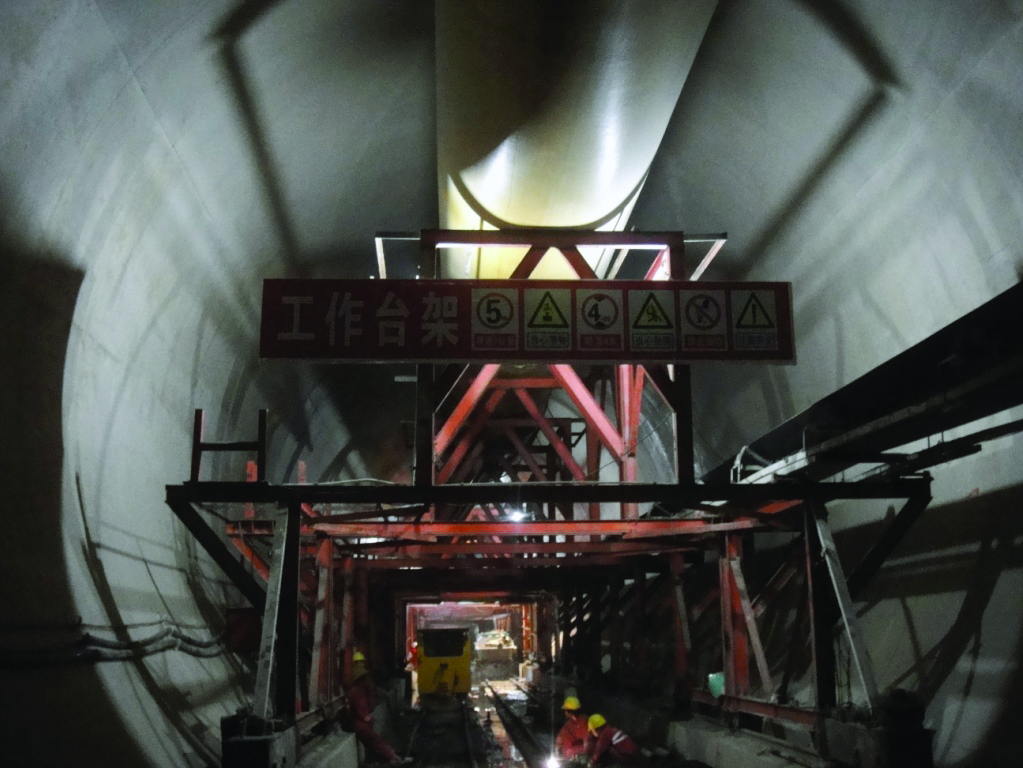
x,y
549,114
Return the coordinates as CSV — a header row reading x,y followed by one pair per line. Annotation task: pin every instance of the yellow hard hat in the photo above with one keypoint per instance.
x,y
595,722
572,704
357,657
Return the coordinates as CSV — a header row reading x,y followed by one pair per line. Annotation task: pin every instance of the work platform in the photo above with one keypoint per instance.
x,y
510,504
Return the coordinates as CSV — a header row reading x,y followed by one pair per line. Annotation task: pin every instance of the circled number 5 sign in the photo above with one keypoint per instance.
x,y
495,326
495,311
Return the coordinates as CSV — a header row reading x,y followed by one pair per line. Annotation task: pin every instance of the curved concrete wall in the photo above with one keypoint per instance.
x,y
873,157
143,197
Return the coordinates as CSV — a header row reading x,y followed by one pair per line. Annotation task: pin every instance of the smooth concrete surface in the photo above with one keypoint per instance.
x,y
868,151
337,750
715,745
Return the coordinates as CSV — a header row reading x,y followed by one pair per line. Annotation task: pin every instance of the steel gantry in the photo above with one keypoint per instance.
x,y
486,450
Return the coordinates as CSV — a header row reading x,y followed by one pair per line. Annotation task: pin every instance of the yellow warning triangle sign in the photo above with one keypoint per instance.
x,y
547,315
652,316
754,315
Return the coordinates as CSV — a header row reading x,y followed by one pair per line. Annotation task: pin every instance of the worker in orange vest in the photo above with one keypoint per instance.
x,y
610,745
571,739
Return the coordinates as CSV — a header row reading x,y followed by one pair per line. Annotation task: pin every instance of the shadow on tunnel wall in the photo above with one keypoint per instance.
x,y
964,547
38,292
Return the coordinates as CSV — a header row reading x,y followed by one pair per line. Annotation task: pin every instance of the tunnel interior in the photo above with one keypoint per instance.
x,y
160,161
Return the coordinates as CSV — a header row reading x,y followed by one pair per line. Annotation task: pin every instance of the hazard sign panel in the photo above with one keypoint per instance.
x,y
547,313
703,319
495,322
753,320
526,320
652,322
600,319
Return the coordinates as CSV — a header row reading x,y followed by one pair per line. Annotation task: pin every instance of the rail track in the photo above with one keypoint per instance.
x,y
482,730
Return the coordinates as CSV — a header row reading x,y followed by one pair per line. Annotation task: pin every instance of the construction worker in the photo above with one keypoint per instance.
x,y
610,745
571,739
360,701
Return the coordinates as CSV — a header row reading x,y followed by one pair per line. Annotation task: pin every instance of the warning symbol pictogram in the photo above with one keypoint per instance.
x,y
703,311
548,314
652,316
753,315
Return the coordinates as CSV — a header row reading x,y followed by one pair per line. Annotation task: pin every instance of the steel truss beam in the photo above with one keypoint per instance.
x,y
628,529
680,496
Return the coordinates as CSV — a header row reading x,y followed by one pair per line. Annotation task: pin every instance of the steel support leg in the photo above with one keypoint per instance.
x,y
321,685
278,651
628,469
347,619
751,626
857,649
422,472
822,646
683,642
735,652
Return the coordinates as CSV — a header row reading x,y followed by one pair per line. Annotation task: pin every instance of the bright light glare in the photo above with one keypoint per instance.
x,y
517,517
552,762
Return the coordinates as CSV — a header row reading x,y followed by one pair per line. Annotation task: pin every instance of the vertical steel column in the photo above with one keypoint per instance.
x,y
858,651
422,473
321,685
684,456
277,668
198,427
615,619
628,470
683,642
347,619
362,615
592,473
261,446
751,626
735,652
822,647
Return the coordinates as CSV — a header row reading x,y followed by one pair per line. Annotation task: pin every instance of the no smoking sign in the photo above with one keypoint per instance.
x,y
704,327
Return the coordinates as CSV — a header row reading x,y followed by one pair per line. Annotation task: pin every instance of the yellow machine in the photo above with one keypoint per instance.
x,y
445,659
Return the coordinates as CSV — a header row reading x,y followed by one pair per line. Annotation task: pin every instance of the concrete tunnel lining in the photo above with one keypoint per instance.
x,y
135,232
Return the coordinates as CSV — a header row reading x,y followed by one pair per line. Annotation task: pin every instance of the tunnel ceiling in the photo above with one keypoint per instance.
x,y
159,160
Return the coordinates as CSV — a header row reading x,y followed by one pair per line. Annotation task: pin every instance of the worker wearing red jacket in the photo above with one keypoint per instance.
x,y
610,745
571,740
360,701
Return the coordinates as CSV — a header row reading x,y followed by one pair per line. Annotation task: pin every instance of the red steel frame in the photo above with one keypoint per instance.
x,y
620,441
481,539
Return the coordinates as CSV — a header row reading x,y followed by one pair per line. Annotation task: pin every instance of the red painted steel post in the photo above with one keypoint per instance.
x,y
738,644
362,615
727,634
459,454
323,658
589,409
251,475
564,452
593,467
681,623
347,619
465,406
628,469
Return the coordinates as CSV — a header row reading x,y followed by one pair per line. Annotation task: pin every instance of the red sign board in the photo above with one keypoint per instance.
x,y
525,320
